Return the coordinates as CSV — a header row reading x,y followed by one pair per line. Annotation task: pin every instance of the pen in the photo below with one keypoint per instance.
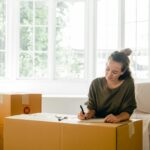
x,y
60,118
82,110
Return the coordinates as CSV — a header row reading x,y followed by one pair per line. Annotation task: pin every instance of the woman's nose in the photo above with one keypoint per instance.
x,y
109,73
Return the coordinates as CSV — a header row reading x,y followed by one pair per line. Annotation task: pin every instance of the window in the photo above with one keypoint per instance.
x,y
107,32
59,46
3,52
33,50
137,36
127,27
69,46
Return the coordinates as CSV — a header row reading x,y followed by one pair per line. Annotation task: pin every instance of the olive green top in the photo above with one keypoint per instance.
x,y
111,101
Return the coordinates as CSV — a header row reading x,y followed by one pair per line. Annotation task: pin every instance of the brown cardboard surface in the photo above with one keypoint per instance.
x,y
19,103
88,137
1,137
1,144
1,130
122,136
129,137
47,134
13,104
5,108
31,135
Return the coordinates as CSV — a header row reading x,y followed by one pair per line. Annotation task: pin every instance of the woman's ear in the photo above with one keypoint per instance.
x,y
124,71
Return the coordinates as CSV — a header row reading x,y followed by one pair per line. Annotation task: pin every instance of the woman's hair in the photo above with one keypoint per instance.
x,y
122,58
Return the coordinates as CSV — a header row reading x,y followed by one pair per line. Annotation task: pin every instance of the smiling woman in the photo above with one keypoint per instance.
x,y
113,72
112,96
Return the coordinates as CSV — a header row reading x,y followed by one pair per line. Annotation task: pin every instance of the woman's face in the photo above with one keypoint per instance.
x,y
113,70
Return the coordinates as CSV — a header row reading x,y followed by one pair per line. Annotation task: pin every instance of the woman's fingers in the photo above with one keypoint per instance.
x,y
111,119
81,116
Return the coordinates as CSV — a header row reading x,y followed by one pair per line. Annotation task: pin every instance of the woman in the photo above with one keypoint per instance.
x,y
112,97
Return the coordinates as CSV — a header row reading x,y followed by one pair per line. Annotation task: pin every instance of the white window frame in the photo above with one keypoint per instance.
x,y
51,86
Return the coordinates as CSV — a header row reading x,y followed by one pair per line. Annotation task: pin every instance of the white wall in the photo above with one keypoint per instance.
x,y
63,104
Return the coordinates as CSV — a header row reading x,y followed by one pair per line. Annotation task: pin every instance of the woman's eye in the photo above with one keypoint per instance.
x,y
115,72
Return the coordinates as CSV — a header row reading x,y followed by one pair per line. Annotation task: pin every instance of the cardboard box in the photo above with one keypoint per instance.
x,y
13,104
1,137
44,132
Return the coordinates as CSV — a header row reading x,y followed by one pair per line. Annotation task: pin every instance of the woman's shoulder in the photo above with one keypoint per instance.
x,y
129,82
98,80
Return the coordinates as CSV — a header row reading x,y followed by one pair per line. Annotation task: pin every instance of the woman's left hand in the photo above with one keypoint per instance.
x,y
111,119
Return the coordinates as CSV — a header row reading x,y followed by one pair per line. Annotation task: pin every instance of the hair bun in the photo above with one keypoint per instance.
x,y
126,51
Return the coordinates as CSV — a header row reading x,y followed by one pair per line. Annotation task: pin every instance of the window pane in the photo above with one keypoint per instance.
x,y
2,39
41,11
26,41
130,10
70,39
41,38
142,35
2,24
26,13
140,64
143,10
136,36
2,64
26,65
41,64
2,36
130,35
102,56
107,32
33,38
2,11
107,24
136,10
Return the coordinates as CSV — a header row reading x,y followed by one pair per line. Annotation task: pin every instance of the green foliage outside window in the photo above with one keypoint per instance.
x,y
2,39
33,58
69,61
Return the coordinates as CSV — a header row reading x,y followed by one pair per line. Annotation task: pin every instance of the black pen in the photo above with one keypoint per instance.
x,y
82,110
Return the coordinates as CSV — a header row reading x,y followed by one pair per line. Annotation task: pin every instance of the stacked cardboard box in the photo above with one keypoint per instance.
x,y
12,104
40,132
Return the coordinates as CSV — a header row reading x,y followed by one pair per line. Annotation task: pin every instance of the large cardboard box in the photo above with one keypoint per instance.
x,y
1,137
13,104
44,132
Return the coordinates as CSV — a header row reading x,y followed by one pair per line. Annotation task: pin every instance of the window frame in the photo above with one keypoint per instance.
x,y
78,87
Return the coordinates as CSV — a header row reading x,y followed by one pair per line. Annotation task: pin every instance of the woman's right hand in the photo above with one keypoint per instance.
x,y
90,114
81,116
